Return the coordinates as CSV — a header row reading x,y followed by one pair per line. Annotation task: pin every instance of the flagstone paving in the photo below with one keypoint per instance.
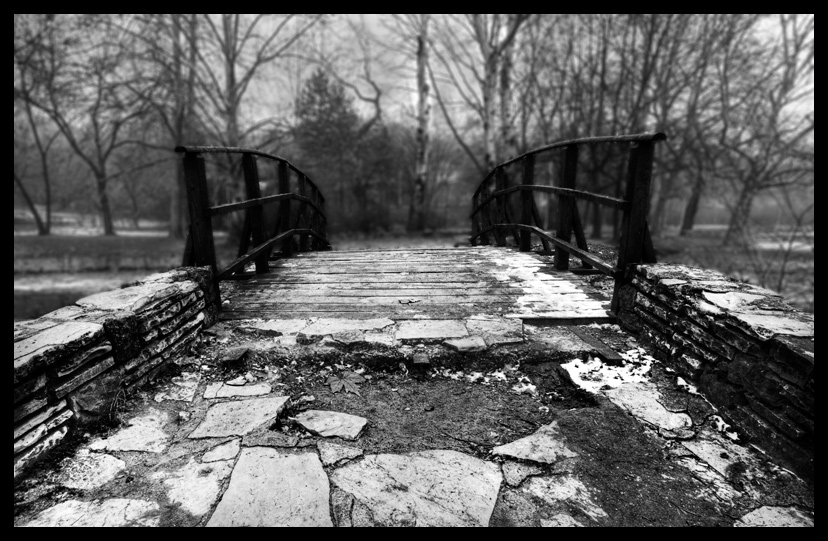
x,y
475,438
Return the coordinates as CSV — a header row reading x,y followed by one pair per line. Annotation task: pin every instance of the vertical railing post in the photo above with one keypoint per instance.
x,y
201,225
485,216
303,208
497,205
634,222
475,220
526,197
255,215
566,206
284,207
314,222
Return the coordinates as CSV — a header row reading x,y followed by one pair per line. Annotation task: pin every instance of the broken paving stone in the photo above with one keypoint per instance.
x,y
144,433
564,489
333,326
379,338
225,451
239,417
642,400
332,453
236,382
559,340
195,486
86,471
234,357
467,344
428,488
268,488
116,512
223,390
348,337
328,424
547,446
719,454
433,329
181,388
273,327
768,516
514,472
497,331
560,520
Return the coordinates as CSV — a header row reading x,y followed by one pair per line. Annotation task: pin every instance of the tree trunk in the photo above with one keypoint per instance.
x,y
692,207
416,215
103,203
738,226
41,227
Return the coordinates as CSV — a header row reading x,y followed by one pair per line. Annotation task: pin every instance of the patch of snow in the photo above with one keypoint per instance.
x,y
687,387
594,375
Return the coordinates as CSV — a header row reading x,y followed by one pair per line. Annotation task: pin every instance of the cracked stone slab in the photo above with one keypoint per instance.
x,y
224,390
427,488
195,486
268,488
514,472
239,417
547,446
327,326
497,331
769,324
144,433
467,344
329,424
431,329
225,451
273,327
558,339
332,453
86,471
719,454
642,400
116,512
180,388
768,516
567,490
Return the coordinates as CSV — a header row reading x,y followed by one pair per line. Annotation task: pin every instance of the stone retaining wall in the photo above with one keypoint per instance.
x,y
71,364
750,353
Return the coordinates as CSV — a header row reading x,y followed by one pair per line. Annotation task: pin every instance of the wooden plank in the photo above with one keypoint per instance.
x,y
300,217
594,260
569,299
565,207
201,227
526,202
255,215
580,238
227,208
284,207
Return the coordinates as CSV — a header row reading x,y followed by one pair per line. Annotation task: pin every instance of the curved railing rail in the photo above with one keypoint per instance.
x,y
309,221
491,214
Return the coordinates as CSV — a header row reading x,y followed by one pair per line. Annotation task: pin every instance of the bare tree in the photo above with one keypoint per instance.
x,y
470,50
80,61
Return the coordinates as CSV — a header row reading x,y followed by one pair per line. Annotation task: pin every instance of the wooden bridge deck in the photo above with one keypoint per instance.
x,y
415,284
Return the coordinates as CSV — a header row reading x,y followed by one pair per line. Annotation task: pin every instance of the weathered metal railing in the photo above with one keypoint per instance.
x,y
309,223
491,214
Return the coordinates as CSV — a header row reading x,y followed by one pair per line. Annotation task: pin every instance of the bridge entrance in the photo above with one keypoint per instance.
x,y
451,283
303,279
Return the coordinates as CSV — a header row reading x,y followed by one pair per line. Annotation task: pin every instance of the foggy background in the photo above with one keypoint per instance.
x,y
397,119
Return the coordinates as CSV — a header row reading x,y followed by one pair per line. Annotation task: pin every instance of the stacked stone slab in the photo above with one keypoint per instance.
x,y
749,352
71,364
